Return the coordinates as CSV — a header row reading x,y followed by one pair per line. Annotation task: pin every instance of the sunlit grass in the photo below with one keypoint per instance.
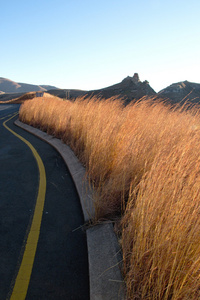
x,y
144,162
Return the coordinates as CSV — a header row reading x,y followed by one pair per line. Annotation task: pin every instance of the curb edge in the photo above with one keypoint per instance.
x,y
104,255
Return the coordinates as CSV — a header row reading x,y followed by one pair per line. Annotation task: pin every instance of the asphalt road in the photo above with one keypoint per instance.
x,y
60,268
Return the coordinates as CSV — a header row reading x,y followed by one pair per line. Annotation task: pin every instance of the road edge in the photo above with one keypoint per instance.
x,y
104,255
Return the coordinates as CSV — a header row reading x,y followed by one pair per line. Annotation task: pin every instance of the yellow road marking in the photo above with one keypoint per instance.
x,y
23,278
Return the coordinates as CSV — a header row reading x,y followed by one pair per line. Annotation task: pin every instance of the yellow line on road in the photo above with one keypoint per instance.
x,y
23,278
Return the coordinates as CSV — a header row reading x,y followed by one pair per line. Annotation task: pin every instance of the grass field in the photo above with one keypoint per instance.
x,y
144,162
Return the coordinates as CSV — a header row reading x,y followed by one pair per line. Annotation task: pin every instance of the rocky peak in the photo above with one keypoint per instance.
x,y
135,79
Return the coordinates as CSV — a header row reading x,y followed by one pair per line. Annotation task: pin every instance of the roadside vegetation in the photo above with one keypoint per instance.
x,y
143,161
24,97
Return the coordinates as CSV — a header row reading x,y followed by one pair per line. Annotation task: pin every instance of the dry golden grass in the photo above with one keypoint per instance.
x,y
144,163
161,237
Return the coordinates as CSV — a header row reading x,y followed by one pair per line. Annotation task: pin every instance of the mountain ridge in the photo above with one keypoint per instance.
x,y
130,89
181,91
9,86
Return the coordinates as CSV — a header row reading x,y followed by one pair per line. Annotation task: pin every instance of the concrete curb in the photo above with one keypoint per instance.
x,y
106,282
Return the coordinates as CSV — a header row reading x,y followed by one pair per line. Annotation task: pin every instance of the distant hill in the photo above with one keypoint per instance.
x,y
8,86
181,92
130,88
49,87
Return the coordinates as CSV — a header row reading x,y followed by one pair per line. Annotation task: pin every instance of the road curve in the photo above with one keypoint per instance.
x,y
60,268
23,277
104,254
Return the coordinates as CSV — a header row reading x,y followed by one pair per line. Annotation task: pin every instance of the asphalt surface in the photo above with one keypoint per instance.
x,y
60,269
104,253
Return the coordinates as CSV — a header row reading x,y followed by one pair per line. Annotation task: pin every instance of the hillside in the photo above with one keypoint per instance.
x,y
6,97
67,94
181,91
8,86
21,98
130,88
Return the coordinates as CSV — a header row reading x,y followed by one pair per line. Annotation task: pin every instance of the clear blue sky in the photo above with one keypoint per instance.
x,y
91,44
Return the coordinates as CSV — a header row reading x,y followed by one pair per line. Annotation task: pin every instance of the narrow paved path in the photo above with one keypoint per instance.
x,y
60,268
